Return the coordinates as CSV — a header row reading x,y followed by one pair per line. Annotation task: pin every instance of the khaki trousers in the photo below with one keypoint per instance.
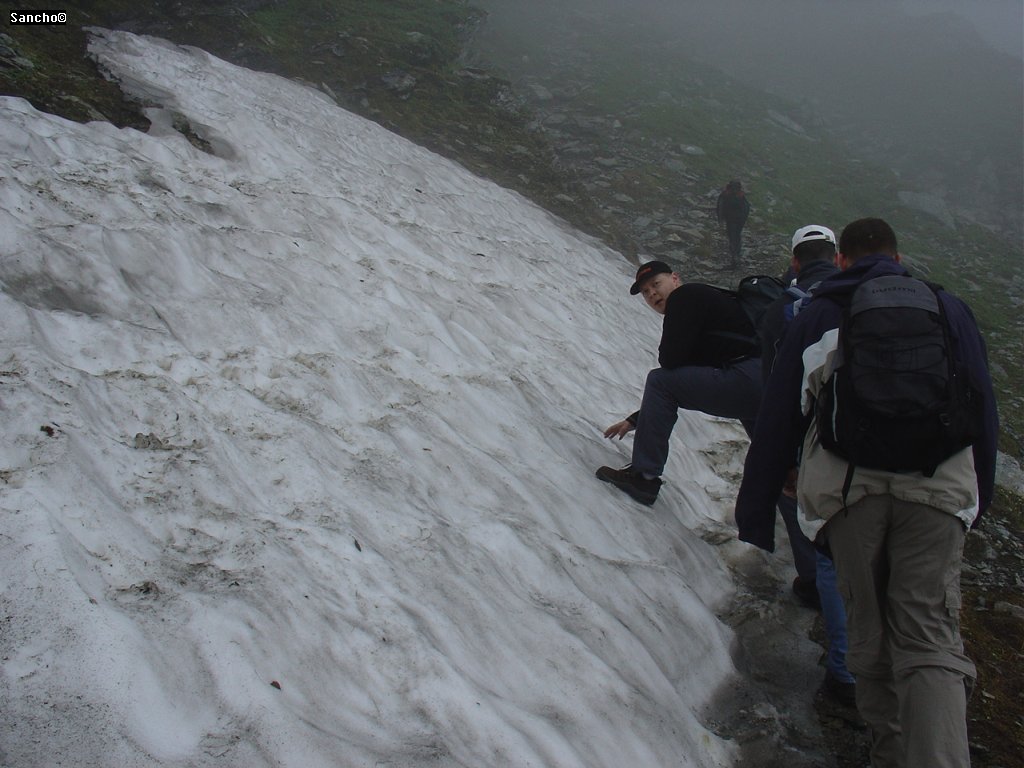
x,y
898,567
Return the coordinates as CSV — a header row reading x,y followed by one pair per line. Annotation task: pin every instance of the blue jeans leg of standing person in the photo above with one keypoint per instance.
x,y
732,392
833,612
805,554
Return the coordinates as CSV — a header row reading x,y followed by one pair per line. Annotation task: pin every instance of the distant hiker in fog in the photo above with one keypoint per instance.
x,y
732,210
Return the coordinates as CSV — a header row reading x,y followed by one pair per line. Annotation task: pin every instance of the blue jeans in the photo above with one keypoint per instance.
x,y
834,614
805,555
733,392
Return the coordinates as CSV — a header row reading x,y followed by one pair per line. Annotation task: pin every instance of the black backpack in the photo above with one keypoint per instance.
x,y
897,400
754,294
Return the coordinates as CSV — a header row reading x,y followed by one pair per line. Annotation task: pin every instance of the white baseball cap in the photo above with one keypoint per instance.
x,y
813,232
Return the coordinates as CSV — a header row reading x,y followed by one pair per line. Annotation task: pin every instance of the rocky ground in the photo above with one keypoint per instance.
x,y
783,718
645,196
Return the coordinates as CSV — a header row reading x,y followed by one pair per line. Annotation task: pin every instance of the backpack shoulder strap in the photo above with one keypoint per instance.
x,y
800,297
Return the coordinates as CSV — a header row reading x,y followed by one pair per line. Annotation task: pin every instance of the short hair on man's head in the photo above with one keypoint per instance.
x,y
814,250
865,237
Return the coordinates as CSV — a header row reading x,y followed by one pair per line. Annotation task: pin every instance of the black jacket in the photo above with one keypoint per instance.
x,y
732,207
693,312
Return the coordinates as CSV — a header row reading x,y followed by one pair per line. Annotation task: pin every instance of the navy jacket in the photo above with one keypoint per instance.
x,y
773,324
785,415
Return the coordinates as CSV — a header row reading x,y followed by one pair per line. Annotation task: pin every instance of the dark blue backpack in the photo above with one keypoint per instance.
x,y
897,399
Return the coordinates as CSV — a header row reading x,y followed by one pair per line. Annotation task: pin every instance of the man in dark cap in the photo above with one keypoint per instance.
x,y
705,365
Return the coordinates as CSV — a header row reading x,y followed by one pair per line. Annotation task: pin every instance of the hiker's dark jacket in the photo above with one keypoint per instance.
x,y
732,207
773,324
693,313
786,434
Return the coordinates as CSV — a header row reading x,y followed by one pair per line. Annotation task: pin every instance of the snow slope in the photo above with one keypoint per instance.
x,y
299,442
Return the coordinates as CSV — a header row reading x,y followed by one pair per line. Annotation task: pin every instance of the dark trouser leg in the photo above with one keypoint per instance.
x,y
857,538
734,231
733,392
932,675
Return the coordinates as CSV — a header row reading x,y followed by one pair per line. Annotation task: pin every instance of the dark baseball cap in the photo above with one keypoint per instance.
x,y
649,269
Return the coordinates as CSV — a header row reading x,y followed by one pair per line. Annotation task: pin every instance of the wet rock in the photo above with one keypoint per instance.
x,y
541,93
398,81
10,56
1017,611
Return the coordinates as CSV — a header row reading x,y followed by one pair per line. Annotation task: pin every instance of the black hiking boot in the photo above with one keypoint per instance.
x,y
635,484
806,591
843,693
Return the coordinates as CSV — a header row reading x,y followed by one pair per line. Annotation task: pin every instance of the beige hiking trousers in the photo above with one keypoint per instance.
x,y
898,568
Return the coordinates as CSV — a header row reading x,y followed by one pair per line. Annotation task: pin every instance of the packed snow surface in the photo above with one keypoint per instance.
x,y
300,426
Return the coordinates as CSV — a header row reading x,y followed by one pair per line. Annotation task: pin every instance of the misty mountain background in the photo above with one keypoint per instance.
x,y
916,87
828,111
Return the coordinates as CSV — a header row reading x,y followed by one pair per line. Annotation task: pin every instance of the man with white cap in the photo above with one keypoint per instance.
x,y
814,252
813,259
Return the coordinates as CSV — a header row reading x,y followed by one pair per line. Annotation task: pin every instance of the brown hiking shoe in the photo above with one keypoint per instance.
x,y
635,484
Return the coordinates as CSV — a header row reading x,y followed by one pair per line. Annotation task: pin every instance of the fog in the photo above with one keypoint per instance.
x,y
931,88
999,22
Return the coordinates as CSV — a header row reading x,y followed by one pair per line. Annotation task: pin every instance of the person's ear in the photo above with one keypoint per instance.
x,y
841,261
794,264
896,258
